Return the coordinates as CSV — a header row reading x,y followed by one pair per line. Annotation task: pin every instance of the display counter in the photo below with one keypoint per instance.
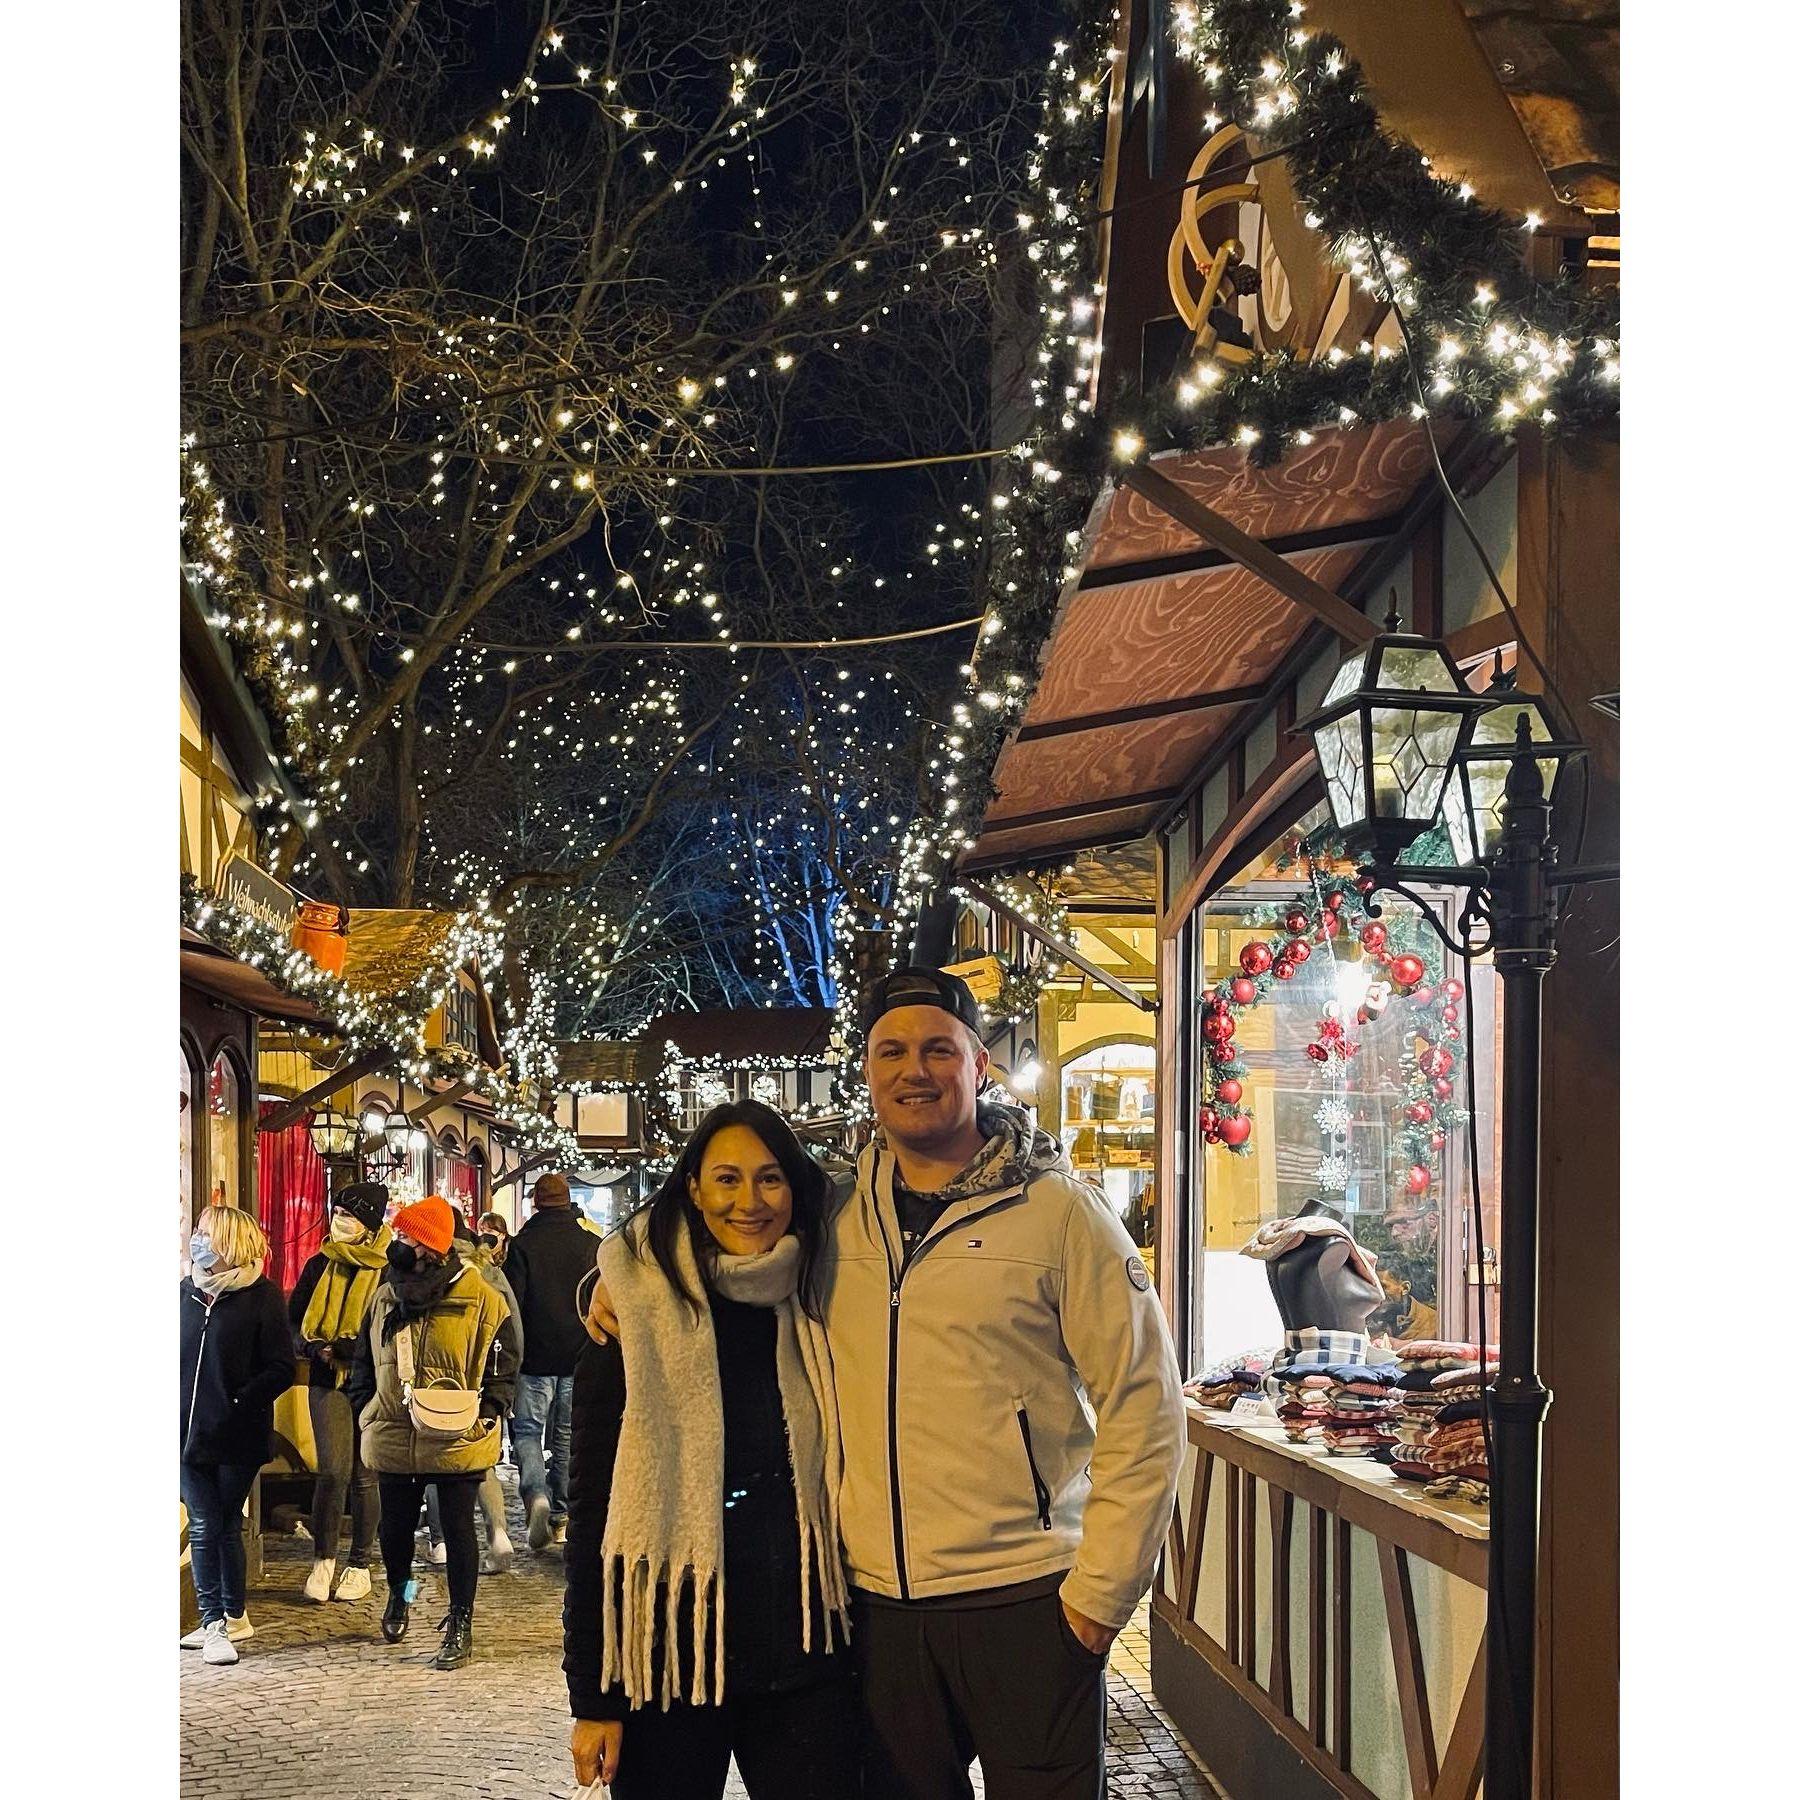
x,y
1317,1624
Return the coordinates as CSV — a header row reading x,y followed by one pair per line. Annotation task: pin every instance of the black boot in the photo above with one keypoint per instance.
x,y
458,1627
396,1616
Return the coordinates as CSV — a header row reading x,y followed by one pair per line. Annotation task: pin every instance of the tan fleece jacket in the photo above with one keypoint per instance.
x,y
1010,1404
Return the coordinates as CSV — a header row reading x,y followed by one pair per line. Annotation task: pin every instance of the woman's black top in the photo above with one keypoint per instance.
x,y
762,1532
237,1360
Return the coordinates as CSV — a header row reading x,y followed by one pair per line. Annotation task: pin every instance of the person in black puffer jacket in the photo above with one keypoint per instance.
x,y
237,1359
706,1446
544,1264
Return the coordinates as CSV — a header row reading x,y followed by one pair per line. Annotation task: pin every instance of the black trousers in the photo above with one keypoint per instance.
x,y
1009,1683
795,1746
401,1497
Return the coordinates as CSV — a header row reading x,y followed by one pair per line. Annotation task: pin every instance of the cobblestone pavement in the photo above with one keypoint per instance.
x,y
319,1708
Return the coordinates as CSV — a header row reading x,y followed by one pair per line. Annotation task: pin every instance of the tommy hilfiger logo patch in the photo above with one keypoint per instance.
x,y
974,1243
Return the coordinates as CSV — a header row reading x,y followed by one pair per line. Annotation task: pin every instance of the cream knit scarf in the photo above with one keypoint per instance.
x,y
665,1521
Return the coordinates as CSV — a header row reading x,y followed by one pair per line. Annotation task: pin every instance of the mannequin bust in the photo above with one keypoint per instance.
x,y
1322,1282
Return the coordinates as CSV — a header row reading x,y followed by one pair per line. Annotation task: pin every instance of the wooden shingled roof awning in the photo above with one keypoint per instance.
x,y
1203,575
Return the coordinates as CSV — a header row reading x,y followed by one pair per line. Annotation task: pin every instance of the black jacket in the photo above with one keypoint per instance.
x,y
762,1533
237,1359
551,1253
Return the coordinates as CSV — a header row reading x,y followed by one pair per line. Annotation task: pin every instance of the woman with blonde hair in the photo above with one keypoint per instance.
x,y
237,1358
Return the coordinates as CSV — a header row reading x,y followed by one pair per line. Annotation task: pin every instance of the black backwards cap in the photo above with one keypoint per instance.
x,y
920,987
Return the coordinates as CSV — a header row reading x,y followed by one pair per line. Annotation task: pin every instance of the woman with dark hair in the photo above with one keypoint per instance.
x,y
705,1470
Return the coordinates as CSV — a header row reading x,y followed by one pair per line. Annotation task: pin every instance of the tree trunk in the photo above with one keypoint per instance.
x,y
408,811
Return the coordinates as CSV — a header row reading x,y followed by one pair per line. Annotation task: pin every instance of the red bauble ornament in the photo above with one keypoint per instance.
x,y
1334,902
1299,950
1407,971
1243,990
1283,969
1421,997
1231,1092
1418,1179
1453,990
1235,1129
1450,1015
1437,1140
1216,1027
1209,1119
1452,1031
1331,925
1296,921
1419,1113
1374,937
1256,958
1318,1052
1435,1060
1442,1089
1211,1137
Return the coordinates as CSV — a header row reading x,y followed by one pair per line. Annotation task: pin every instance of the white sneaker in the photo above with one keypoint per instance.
x,y
353,1584
318,1582
195,1638
499,1555
236,1629
217,1646
439,1555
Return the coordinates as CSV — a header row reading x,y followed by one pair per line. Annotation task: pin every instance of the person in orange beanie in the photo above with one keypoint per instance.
x,y
432,1379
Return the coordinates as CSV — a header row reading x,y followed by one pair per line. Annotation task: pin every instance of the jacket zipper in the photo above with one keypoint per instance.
x,y
895,1278
199,1363
1039,1491
893,1413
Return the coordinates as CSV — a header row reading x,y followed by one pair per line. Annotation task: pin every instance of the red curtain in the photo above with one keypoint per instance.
x,y
290,1194
459,1184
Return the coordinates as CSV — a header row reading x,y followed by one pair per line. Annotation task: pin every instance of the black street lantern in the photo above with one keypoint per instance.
x,y
1477,787
333,1134
1387,733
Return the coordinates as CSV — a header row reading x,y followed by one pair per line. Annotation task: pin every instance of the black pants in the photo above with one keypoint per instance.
x,y
797,1746
1009,1683
401,1497
341,1471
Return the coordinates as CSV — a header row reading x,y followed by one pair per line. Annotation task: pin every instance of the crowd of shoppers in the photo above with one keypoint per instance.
x,y
857,1480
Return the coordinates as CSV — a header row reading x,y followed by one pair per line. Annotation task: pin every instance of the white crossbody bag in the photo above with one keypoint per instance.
x,y
438,1412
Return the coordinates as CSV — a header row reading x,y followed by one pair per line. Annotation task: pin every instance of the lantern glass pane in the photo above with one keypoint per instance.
x,y
1497,730
1458,823
1487,788
1412,748
1346,681
1340,755
1420,669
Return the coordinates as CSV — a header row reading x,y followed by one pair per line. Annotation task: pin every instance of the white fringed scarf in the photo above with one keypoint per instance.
x,y
665,1520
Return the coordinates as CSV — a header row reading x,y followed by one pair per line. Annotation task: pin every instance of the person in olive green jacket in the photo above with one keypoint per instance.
x,y
326,1310
459,1334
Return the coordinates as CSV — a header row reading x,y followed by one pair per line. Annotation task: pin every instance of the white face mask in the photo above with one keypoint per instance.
x,y
346,1228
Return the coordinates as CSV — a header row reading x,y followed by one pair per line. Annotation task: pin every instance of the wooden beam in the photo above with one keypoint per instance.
x,y
1251,553
284,1116
1051,941
1196,562
1085,809
1409,1670
1177,708
524,1169
448,1097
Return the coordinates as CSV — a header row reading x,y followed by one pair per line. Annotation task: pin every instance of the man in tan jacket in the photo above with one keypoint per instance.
x,y
1012,1421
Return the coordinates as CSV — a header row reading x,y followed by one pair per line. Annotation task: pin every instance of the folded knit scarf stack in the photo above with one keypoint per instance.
x,y
1304,1405
1226,1383
1438,1431
1361,1406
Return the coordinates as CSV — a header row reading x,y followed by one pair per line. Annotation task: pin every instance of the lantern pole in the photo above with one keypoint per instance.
x,y
1522,910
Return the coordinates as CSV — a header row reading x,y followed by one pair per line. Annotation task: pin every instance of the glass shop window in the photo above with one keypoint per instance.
x,y
224,1133
187,1213
1109,1131
1331,1049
